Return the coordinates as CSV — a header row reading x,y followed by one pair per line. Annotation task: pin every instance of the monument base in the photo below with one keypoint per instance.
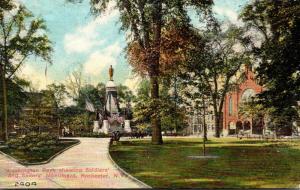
x,y
105,127
225,132
96,127
127,128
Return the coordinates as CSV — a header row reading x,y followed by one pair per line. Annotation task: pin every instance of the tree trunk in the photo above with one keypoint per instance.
x,y
217,124
155,121
4,105
154,70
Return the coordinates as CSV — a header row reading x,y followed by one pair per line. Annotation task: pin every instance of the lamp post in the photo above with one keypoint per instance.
x,y
204,123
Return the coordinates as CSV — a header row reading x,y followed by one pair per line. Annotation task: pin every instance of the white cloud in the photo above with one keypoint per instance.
x,y
36,76
99,60
132,83
228,13
86,37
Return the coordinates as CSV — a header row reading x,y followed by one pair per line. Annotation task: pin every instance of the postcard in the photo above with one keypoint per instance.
x,y
140,94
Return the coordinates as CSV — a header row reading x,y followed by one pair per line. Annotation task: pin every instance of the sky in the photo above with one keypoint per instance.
x,y
92,44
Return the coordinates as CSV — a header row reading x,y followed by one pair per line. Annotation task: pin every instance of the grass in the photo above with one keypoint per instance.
x,y
242,163
36,156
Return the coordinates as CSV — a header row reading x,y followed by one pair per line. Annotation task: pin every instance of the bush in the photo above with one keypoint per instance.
x,y
34,142
92,134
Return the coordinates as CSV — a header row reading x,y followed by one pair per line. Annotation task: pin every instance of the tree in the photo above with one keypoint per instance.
x,y
276,48
5,5
124,94
171,111
39,113
76,120
59,93
16,97
212,70
21,35
145,20
141,110
74,83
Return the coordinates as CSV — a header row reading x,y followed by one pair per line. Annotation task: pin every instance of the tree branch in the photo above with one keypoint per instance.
x,y
17,67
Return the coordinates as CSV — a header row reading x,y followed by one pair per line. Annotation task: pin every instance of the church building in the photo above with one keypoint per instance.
x,y
233,122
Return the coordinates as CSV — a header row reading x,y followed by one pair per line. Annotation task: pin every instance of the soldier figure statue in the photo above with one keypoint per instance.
x,y
111,73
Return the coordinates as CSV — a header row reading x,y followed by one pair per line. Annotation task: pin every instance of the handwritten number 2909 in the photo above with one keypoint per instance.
x,y
26,183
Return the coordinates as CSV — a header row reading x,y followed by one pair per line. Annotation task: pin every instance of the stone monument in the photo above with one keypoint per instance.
x,y
112,119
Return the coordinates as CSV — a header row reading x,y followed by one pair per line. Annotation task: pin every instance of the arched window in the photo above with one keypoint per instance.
x,y
230,105
248,95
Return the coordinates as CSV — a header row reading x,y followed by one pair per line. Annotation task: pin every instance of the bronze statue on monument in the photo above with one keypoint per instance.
x,y
111,73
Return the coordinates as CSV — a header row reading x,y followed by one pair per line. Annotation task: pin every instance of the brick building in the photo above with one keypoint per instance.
x,y
232,120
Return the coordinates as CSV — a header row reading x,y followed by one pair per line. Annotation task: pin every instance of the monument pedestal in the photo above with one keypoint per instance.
x,y
105,127
127,128
225,132
96,127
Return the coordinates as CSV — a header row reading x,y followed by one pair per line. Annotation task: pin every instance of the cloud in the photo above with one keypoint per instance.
x,y
36,75
228,13
86,37
99,60
132,83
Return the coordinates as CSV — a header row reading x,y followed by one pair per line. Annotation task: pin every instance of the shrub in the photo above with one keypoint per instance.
x,y
34,142
92,134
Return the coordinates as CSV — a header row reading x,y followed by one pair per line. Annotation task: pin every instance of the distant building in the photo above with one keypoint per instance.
x,y
232,120
196,121
242,93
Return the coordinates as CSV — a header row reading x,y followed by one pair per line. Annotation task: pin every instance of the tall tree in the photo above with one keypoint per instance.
x,y
59,93
124,94
21,36
212,69
171,110
94,94
276,48
146,19
74,83
16,97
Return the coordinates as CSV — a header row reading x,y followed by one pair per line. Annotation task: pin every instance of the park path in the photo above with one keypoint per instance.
x,y
86,165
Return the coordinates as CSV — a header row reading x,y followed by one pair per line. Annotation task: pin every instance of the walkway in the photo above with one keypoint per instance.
x,y
86,165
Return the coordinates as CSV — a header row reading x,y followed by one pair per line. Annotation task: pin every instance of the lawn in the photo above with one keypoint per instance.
x,y
36,156
241,163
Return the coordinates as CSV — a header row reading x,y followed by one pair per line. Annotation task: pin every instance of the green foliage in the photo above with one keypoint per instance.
x,y
34,142
211,68
40,112
252,109
95,94
91,134
277,25
5,5
22,36
76,121
124,94
173,116
58,92
16,95
146,20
